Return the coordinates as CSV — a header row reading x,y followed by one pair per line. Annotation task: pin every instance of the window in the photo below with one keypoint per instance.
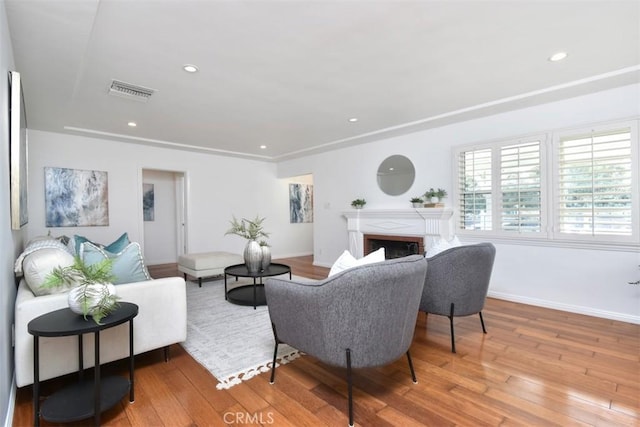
x,y
475,189
595,184
579,185
520,208
516,189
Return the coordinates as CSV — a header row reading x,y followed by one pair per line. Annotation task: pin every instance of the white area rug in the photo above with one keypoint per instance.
x,y
234,342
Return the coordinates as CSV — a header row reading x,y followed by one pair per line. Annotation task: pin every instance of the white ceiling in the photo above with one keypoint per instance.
x,y
289,74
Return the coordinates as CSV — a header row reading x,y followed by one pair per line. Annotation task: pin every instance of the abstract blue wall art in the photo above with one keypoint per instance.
x,y
148,202
76,198
300,203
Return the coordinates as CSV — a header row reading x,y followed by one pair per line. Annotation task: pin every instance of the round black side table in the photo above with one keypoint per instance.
x,y
83,399
251,294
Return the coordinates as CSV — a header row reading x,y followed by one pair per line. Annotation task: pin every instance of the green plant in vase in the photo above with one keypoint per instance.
x,y
92,293
252,230
358,203
417,202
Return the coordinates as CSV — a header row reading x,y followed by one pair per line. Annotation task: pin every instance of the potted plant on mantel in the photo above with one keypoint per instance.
x,y
417,202
92,293
358,203
251,230
434,197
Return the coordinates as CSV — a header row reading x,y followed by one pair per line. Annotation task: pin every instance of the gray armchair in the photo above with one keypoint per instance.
x,y
361,317
457,283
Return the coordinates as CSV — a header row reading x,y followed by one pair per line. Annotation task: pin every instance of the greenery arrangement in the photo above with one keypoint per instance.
x,y
90,286
263,243
440,193
358,203
249,229
416,200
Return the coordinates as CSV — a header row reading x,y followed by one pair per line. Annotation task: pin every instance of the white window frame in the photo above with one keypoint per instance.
x,y
635,190
548,236
496,199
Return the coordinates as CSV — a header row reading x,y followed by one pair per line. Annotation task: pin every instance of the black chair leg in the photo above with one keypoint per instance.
x,y
453,339
349,387
166,353
275,355
413,372
482,322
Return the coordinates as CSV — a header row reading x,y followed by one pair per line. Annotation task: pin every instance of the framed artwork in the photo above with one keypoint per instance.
x,y
148,202
300,203
17,152
76,198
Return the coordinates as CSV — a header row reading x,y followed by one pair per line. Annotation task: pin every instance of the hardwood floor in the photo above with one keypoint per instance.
x,y
534,367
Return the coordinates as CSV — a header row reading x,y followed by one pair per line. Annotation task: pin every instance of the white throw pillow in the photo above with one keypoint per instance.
x,y
442,245
37,265
346,261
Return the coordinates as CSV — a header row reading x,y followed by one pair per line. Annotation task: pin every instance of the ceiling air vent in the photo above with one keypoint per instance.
x,y
131,91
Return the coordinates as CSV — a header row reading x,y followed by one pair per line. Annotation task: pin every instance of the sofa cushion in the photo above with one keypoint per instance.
x,y
346,261
128,264
37,265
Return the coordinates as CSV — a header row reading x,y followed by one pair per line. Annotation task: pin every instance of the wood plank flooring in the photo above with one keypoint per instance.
x,y
534,367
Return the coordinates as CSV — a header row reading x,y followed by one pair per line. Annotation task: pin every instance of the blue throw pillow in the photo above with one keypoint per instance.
x,y
128,264
119,245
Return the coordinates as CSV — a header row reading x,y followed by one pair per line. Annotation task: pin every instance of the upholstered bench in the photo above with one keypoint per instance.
x,y
206,264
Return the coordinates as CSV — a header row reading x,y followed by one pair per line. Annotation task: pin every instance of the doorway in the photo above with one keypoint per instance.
x,y
164,216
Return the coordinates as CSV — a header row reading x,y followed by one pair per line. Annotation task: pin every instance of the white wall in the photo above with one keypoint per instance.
x,y
217,187
10,241
580,280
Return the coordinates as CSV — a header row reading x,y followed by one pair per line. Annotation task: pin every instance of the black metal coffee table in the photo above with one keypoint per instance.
x,y
251,294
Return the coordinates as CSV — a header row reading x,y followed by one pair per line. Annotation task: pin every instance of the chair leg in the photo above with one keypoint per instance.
x,y
453,339
349,388
482,322
275,355
413,372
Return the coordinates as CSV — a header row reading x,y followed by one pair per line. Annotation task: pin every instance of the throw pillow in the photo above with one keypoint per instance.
x,y
37,265
346,261
442,245
128,264
116,246
119,244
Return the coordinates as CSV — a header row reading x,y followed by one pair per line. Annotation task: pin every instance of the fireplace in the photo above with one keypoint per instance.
x,y
420,226
394,246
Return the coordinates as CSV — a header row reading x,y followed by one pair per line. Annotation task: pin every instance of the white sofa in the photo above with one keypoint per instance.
x,y
161,321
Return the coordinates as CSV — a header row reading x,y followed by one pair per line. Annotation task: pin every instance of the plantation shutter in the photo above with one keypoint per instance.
x,y
520,207
474,182
595,184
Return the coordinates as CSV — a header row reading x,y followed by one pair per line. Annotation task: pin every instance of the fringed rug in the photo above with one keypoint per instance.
x,y
234,342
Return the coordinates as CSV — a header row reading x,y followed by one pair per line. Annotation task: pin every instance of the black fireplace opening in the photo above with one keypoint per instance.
x,y
394,246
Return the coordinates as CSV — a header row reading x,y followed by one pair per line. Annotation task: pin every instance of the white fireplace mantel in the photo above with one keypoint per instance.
x,y
430,223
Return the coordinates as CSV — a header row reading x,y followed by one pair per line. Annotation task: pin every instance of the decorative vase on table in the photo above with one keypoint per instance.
x,y
266,257
253,256
93,299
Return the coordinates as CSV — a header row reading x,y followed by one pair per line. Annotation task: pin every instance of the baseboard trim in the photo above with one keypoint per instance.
x,y
622,317
11,407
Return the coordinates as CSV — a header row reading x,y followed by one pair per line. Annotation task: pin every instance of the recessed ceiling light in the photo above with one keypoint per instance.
x,y
558,56
353,119
262,147
190,68
132,124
